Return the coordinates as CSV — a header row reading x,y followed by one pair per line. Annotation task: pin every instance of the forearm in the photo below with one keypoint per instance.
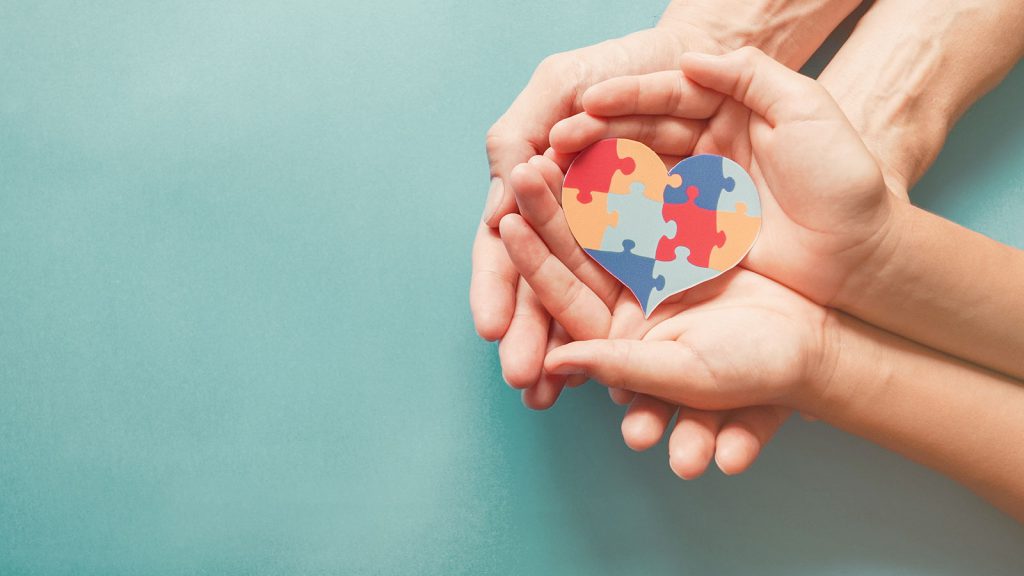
x,y
945,286
912,67
788,30
954,417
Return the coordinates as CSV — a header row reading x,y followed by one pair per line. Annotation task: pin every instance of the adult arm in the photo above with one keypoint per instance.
x,y
911,68
904,87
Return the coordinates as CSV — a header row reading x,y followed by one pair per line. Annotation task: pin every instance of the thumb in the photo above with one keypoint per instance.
x,y
768,88
505,150
665,369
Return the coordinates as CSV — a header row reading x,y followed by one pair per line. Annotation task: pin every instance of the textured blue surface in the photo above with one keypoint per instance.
x,y
223,350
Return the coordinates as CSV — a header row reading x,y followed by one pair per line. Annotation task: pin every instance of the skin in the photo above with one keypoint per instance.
x,y
504,307
897,393
836,235
786,349
904,77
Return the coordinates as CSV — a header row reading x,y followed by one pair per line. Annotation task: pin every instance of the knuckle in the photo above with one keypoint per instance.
x,y
555,64
497,138
749,54
620,352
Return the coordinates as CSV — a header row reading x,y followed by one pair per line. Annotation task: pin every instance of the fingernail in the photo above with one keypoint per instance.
x,y
718,462
494,195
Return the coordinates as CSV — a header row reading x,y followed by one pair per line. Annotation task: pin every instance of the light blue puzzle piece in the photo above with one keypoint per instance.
x,y
679,275
743,191
640,221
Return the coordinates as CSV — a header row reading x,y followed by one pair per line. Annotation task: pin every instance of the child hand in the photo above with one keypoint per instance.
x,y
825,206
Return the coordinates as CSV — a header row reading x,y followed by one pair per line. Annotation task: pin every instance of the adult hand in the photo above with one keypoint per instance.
x,y
503,306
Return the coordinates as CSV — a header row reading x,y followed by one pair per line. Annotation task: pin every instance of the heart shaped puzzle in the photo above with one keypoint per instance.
x,y
660,231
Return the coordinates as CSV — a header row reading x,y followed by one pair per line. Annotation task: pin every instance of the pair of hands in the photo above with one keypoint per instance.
x,y
739,351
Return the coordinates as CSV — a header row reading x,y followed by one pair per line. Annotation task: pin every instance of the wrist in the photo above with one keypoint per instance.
x,y
882,265
899,122
787,31
853,368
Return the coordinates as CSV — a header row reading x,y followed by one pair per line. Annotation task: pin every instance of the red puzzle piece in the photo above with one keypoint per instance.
x,y
593,169
696,229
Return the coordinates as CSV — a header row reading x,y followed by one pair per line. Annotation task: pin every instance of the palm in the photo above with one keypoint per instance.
x,y
817,226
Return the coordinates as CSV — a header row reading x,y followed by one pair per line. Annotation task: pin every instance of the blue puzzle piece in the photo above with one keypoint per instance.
x,y
705,172
634,271
743,193
640,222
678,275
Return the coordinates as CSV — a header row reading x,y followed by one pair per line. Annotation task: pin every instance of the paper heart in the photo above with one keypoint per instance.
x,y
660,231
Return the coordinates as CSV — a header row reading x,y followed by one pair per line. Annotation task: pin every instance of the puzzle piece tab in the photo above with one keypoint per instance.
x,y
649,171
744,192
705,172
588,222
696,229
740,230
593,169
679,275
634,271
639,222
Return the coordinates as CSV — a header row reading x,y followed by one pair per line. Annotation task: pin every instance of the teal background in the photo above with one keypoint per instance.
x,y
234,331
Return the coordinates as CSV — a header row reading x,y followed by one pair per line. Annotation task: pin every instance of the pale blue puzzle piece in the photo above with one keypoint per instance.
x,y
744,191
640,221
679,275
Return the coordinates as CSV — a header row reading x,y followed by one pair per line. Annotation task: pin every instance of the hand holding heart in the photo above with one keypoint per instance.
x,y
824,208
824,203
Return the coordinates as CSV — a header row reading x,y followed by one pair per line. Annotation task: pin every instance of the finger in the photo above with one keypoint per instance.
x,y
567,299
744,434
628,321
552,174
538,206
668,370
504,151
575,381
546,392
523,347
563,161
692,442
645,422
621,396
668,93
664,134
522,131
492,287
767,87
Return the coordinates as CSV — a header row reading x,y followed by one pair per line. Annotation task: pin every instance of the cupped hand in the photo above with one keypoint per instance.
x,y
503,306
591,304
744,341
825,206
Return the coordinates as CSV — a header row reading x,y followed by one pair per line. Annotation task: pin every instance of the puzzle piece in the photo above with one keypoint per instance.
x,y
649,171
743,193
679,275
639,221
634,271
705,172
741,230
696,229
589,221
593,169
